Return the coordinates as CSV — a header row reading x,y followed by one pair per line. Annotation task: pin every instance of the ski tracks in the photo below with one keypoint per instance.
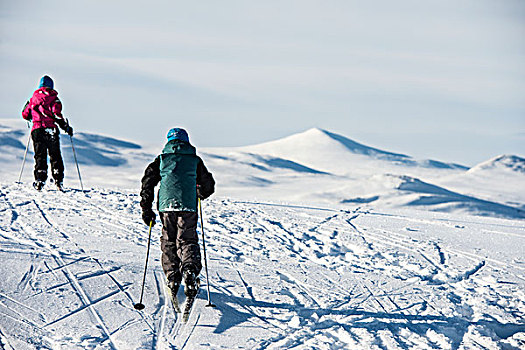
x,y
87,303
404,279
282,277
36,235
447,272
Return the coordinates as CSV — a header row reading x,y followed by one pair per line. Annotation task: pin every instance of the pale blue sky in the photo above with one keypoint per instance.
x,y
433,79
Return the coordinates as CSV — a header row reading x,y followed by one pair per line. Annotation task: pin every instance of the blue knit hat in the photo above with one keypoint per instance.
x,y
178,134
46,82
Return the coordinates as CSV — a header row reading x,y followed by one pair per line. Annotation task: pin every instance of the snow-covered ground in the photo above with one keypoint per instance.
x,y
316,242
282,276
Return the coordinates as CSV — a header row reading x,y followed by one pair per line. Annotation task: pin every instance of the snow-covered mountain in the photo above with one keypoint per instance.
x,y
103,160
509,163
320,167
500,179
315,167
337,154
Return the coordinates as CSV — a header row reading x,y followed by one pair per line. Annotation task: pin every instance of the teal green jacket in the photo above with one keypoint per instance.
x,y
178,172
182,176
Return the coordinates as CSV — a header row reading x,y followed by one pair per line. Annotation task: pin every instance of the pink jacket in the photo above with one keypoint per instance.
x,y
45,109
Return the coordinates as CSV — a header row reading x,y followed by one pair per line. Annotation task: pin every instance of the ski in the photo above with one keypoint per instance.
x,y
190,300
175,304
174,299
187,308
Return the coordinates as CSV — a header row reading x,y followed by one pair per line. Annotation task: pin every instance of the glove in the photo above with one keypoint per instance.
x,y
148,216
200,194
69,130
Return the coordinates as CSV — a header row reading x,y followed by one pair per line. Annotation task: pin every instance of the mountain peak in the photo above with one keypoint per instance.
x,y
309,134
316,131
507,162
323,149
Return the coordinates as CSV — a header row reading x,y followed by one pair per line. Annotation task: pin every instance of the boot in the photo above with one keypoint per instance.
x,y
39,185
174,287
191,283
59,185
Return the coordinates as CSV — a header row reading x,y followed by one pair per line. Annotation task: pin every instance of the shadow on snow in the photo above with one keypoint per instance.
x,y
236,310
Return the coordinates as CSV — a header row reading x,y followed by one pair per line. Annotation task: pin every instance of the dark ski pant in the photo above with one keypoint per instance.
x,y
179,243
47,140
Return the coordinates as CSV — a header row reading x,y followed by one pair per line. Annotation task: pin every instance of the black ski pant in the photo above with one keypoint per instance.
x,y
179,243
47,140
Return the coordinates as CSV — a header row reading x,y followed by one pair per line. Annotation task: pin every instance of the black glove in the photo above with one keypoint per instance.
x,y
148,216
68,130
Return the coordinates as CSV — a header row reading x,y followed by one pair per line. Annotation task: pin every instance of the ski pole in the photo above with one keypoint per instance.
x,y
76,162
25,155
205,259
139,305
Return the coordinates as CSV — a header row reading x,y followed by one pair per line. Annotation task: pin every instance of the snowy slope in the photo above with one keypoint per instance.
x,y
103,160
503,163
314,242
336,154
316,167
322,168
282,276
500,179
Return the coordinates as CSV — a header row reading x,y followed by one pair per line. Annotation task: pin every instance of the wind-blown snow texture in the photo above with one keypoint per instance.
x,y
350,249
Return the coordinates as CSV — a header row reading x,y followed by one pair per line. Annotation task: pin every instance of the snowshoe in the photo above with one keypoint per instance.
x,y
39,185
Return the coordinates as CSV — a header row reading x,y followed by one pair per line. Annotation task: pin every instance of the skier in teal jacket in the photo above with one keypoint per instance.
x,y
183,177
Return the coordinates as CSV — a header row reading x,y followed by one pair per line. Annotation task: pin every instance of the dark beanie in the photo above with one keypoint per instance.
x,y
46,82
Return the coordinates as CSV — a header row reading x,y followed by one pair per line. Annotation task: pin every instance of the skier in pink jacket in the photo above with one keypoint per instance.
x,y
44,109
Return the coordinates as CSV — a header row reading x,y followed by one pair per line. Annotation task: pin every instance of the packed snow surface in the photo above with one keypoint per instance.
x,y
282,276
314,241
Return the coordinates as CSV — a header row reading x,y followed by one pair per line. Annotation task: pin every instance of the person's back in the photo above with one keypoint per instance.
x,y
183,179
178,171
44,109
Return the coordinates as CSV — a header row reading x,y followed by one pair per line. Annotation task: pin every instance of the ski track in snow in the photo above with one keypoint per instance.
x,y
282,276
